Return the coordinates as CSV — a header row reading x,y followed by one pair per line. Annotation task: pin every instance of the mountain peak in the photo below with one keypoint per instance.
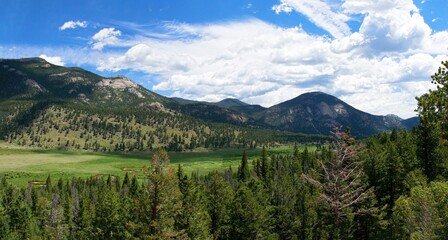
x,y
310,98
230,102
318,112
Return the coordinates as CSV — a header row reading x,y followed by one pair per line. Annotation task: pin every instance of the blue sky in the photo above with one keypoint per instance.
x,y
375,55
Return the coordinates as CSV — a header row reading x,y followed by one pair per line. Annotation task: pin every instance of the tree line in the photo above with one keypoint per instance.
x,y
390,186
69,126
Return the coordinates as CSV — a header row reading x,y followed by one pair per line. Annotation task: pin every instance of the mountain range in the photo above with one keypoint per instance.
x,y
31,80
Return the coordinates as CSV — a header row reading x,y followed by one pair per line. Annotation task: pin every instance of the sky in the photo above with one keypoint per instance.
x,y
375,55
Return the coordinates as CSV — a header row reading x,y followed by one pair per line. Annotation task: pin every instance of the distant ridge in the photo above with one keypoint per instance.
x,y
318,113
34,79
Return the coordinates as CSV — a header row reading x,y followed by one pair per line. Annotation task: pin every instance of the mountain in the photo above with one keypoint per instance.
x,y
47,106
239,106
36,79
229,110
411,122
228,103
319,113
40,101
213,113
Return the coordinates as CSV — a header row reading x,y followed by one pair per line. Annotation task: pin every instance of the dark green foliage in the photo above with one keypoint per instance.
x,y
243,170
427,151
423,214
62,125
433,106
265,199
249,219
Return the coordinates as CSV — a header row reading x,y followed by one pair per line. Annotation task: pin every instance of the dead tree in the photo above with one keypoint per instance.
x,y
340,181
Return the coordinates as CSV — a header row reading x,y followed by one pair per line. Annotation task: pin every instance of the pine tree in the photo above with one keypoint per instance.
x,y
160,159
107,220
249,219
264,164
433,106
427,146
220,196
4,219
165,204
243,170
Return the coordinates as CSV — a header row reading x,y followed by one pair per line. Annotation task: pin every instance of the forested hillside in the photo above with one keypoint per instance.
x,y
52,107
382,188
62,126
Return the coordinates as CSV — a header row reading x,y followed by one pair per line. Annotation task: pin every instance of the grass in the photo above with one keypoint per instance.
x,y
21,165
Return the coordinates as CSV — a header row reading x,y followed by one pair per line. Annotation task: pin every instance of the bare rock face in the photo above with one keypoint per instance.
x,y
340,109
59,74
156,106
33,84
238,118
136,92
153,105
119,82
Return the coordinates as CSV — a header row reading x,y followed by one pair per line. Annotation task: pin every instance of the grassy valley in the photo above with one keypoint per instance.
x,y
22,165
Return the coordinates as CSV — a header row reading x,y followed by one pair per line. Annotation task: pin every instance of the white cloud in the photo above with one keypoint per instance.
x,y
436,43
53,59
283,7
389,25
379,68
320,13
106,37
73,25
265,64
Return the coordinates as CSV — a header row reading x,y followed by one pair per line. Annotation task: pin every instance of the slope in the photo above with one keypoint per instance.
x,y
319,113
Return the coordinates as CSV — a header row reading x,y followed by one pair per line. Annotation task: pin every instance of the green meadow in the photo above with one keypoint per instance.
x,y
21,166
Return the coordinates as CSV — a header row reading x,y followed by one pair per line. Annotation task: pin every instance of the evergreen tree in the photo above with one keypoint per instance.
x,y
422,214
243,170
427,150
433,106
196,214
249,218
4,219
160,159
107,222
264,164
165,204
220,195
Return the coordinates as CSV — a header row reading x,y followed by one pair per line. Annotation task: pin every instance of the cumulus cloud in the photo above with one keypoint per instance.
x,y
73,25
378,68
390,25
318,12
53,59
106,37
261,63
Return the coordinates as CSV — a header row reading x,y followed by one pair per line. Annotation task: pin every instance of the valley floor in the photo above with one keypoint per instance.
x,y
21,165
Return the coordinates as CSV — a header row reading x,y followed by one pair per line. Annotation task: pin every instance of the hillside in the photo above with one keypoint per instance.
x,y
49,106
318,113
36,79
